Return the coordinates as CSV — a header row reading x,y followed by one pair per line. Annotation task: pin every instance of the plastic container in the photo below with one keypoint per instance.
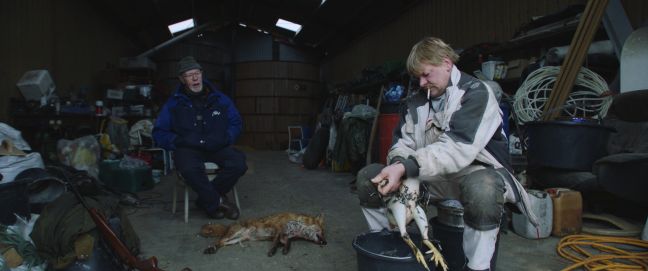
x,y
450,237
494,69
386,125
566,144
542,207
157,175
567,211
450,213
386,251
125,179
451,240
99,108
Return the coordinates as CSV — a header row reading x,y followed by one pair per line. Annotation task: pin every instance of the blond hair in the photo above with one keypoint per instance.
x,y
429,50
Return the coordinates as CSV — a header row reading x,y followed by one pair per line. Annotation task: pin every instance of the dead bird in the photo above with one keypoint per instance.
x,y
402,208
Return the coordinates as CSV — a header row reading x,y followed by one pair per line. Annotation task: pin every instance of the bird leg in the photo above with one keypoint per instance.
x,y
399,209
421,221
437,257
400,206
419,216
417,253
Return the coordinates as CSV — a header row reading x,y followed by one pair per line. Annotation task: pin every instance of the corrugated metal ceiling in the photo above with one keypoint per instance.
x,y
327,27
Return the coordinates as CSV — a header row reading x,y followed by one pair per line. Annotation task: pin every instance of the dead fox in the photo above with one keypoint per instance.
x,y
281,228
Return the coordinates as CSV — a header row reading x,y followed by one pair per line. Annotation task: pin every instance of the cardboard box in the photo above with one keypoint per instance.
x,y
115,94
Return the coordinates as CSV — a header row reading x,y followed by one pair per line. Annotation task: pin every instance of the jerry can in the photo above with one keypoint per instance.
x,y
567,211
542,207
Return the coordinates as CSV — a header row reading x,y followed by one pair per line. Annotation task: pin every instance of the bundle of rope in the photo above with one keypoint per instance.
x,y
604,253
589,23
588,100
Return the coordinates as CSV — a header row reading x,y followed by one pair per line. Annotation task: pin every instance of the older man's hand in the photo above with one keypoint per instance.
x,y
389,178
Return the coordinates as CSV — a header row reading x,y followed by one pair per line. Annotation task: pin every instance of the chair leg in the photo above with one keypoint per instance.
x,y
175,197
236,198
164,159
186,203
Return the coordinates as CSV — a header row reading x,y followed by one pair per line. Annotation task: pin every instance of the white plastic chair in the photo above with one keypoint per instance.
x,y
211,169
166,158
295,137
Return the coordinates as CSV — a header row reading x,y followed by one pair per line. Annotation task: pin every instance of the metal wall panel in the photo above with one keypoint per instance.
x,y
68,38
637,11
252,46
25,26
292,53
461,23
272,95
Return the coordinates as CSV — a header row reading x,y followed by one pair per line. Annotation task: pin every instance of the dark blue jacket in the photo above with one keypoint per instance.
x,y
180,124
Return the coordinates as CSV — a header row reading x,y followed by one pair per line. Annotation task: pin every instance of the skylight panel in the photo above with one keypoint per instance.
x,y
289,25
181,26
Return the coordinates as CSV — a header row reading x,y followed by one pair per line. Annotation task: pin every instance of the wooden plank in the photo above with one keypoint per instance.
x,y
587,27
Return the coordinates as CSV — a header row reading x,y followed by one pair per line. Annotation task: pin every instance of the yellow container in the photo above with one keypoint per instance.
x,y
337,167
567,211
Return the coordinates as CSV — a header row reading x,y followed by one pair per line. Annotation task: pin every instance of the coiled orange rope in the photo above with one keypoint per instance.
x,y
604,252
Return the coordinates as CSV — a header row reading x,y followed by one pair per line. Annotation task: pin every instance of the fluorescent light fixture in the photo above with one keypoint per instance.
x,y
289,25
243,25
322,3
181,26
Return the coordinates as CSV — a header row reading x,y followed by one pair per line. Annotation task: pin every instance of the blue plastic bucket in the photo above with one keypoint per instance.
x,y
386,251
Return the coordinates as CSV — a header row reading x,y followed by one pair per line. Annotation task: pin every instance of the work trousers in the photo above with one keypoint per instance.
x,y
191,165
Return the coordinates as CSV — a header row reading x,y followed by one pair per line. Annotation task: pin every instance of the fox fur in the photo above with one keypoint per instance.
x,y
281,228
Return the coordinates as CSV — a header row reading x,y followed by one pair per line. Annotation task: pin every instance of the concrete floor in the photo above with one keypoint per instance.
x,y
273,184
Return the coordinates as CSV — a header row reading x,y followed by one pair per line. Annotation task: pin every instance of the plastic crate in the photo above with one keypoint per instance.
x,y
125,179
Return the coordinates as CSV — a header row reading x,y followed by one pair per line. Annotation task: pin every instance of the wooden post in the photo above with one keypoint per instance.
x,y
374,126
